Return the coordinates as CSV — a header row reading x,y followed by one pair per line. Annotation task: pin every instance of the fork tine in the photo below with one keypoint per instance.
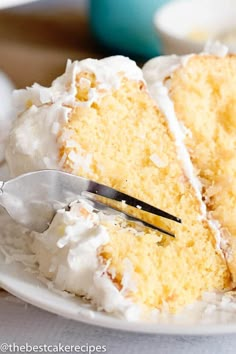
x,y
135,219
111,193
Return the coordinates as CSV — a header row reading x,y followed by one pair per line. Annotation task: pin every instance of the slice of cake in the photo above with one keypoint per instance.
x,y
98,121
202,90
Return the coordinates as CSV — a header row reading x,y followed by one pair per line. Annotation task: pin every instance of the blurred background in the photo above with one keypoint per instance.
x,y
36,38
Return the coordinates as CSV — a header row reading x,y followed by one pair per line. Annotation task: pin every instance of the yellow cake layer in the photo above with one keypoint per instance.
x,y
122,132
204,96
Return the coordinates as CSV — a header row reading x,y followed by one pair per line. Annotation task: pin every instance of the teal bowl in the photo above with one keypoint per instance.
x,y
126,26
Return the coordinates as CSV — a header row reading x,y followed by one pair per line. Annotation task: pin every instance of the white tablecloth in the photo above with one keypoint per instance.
x,y
21,323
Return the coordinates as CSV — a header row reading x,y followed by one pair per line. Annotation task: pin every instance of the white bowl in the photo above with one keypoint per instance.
x,y
178,22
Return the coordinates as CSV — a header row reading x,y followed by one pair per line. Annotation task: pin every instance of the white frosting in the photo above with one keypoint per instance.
x,y
67,253
33,141
156,71
32,145
160,68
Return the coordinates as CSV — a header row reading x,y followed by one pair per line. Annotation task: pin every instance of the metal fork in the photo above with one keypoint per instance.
x,y
32,199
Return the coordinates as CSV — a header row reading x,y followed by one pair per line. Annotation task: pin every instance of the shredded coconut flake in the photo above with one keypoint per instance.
x,y
158,161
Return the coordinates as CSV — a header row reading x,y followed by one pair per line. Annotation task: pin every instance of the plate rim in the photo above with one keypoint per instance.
x,y
107,320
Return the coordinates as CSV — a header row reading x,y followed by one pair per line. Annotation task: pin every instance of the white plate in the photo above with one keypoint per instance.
x,y
193,321
10,3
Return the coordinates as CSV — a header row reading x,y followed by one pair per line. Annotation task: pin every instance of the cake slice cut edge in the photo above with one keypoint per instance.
x,y
201,89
